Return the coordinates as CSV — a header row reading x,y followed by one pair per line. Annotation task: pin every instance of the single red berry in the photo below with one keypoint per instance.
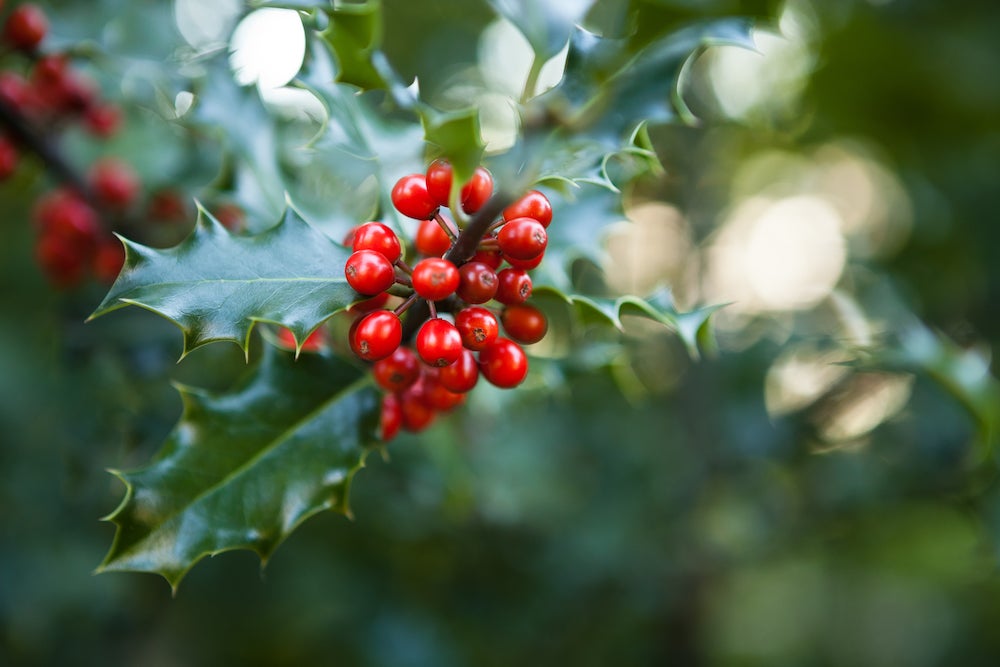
x,y
61,261
524,264
438,179
25,27
513,286
391,418
114,182
522,238
378,237
314,342
410,197
368,305
431,239
65,215
460,376
166,206
397,371
368,272
108,260
490,257
50,68
231,216
102,120
439,397
417,414
503,363
477,326
525,324
533,205
477,191
9,157
14,91
377,335
438,342
435,278
477,282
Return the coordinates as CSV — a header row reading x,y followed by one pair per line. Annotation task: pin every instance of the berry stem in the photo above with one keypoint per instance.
x,y
461,250
495,226
403,280
403,307
433,310
404,267
443,223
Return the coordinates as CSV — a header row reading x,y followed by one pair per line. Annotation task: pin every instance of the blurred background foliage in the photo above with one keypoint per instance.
x,y
820,492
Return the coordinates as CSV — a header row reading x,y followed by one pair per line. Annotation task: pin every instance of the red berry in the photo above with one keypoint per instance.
x,y
460,376
50,68
417,414
368,305
439,397
524,264
114,182
431,239
391,417
533,205
166,206
410,197
231,216
65,215
9,157
369,272
477,282
477,191
525,324
438,342
102,120
378,237
314,342
438,179
491,258
522,238
377,335
435,278
60,260
25,27
14,91
108,260
397,371
477,326
513,286
503,363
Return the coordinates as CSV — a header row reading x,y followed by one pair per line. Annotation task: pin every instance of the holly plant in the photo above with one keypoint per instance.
x,y
381,256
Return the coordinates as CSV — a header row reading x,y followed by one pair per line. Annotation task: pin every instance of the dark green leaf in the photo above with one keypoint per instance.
x,y
243,469
355,33
693,327
216,285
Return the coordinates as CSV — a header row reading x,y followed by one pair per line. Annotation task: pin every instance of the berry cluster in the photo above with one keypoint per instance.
x,y
41,95
460,340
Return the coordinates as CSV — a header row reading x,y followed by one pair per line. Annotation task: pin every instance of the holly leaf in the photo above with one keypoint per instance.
x,y
241,470
546,25
693,327
216,285
355,34
456,137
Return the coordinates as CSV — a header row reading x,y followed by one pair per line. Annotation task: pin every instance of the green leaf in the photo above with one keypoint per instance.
x,y
455,136
693,327
546,25
355,34
243,469
216,285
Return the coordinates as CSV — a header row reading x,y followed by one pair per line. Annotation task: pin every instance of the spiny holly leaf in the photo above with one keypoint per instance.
x,y
455,136
612,89
355,34
546,25
242,470
693,328
215,285
357,141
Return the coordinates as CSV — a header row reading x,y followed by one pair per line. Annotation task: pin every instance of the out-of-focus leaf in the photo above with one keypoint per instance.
x,y
243,469
693,327
216,285
546,25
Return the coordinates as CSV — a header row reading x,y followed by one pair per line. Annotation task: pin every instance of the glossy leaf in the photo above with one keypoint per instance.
x,y
693,327
241,470
216,285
